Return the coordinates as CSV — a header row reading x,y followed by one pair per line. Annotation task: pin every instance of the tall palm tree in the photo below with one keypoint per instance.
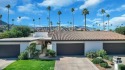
x,y
20,19
103,12
49,9
39,21
34,24
0,16
108,16
72,10
8,7
59,13
13,21
85,12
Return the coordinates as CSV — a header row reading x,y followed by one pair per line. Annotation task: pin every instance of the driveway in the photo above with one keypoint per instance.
x,y
5,62
74,63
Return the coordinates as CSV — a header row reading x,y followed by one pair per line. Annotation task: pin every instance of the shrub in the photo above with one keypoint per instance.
x,y
50,53
91,54
121,67
97,61
23,56
106,57
105,65
101,53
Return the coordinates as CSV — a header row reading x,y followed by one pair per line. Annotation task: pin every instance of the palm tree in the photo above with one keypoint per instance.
x,y
72,10
34,24
85,12
0,16
103,12
108,16
49,9
93,27
51,23
59,13
8,7
71,25
20,18
13,21
39,21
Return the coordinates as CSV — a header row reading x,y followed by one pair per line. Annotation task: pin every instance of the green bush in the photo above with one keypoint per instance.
x,y
105,65
106,57
91,54
97,61
121,67
101,53
23,56
50,53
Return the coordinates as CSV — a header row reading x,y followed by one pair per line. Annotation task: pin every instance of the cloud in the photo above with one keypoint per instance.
x,y
30,8
121,8
5,10
22,18
90,3
56,3
3,3
115,21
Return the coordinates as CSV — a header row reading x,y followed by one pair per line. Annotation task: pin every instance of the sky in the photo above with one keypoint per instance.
x,y
34,9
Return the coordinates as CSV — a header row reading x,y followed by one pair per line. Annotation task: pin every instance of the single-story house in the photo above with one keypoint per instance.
x,y
66,43
12,47
81,42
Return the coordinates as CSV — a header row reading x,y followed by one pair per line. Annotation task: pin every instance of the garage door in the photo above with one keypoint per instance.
x,y
9,51
70,49
114,48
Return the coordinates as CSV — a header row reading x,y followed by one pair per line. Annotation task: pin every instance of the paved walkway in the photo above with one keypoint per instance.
x,y
74,63
5,62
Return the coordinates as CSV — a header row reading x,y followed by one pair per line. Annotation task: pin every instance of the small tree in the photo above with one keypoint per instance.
x,y
120,30
31,49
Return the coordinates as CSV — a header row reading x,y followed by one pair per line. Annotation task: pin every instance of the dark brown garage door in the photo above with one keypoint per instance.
x,y
9,51
70,49
114,48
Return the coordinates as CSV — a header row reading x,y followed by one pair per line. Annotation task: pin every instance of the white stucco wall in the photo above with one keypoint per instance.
x,y
23,45
93,46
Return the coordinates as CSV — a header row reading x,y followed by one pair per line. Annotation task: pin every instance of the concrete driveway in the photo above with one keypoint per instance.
x,y
74,63
5,62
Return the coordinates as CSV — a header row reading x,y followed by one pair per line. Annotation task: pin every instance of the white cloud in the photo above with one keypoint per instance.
x,y
5,10
3,3
56,3
89,3
121,8
22,18
30,8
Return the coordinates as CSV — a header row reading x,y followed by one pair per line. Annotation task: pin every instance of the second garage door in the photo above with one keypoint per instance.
x,y
9,51
114,48
70,49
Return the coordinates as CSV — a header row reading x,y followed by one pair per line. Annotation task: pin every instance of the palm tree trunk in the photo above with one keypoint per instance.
x,y
73,21
8,18
34,26
49,21
103,23
108,23
85,22
59,22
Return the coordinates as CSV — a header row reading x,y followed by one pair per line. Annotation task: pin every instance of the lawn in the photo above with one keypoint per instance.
x,y
31,65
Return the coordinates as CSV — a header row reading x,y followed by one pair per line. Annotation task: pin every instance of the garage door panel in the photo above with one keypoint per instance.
x,y
9,51
114,48
70,49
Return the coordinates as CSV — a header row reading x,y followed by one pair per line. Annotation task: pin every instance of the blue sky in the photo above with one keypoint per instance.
x,y
33,9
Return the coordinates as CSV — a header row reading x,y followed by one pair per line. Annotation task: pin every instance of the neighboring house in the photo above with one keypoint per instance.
x,y
81,42
12,47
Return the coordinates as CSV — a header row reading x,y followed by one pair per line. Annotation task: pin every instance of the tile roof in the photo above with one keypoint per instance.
x,y
87,35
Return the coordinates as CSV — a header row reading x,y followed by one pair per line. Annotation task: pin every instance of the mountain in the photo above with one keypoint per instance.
x,y
2,22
